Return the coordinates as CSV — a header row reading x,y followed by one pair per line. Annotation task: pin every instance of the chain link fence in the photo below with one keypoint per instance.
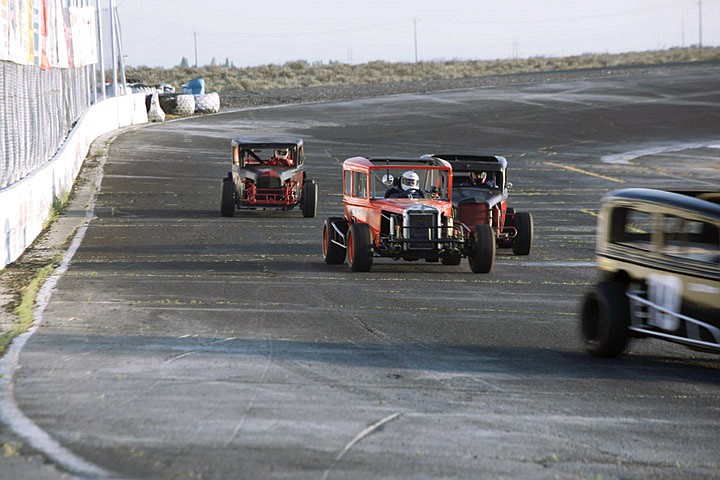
x,y
38,109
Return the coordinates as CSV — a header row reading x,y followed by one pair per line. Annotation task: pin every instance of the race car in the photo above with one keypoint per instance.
x,y
480,196
402,209
658,253
268,173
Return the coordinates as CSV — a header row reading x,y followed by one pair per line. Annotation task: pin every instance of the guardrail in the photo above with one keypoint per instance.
x,y
28,203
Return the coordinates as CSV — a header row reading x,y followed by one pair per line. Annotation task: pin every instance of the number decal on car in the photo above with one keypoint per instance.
x,y
664,291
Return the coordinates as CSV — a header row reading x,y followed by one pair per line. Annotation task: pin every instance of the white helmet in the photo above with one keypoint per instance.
x,y
281,153
409,180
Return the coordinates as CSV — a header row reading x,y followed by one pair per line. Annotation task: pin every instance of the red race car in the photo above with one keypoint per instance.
x,y
268,173
402,209
480,193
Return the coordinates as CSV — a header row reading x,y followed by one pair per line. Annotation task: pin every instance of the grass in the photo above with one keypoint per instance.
x,y
25,310
300,73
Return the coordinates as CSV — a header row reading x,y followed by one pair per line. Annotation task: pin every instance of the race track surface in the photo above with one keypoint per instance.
x,y
180,344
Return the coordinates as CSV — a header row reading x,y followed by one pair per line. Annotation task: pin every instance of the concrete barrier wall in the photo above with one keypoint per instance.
x,y
25,206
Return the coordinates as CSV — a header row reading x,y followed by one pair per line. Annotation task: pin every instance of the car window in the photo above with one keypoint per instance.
x,y
359,185
348,182
631,228
690,239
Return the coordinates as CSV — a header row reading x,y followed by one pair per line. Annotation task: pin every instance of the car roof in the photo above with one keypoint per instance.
x,y
703,202
266,141
473,163
396,162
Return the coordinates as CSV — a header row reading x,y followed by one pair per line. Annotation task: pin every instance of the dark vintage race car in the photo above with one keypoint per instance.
x,y
659,257
402,209
268,173
480,193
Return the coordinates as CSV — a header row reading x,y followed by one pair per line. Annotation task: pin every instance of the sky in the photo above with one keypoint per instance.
x,y
250,33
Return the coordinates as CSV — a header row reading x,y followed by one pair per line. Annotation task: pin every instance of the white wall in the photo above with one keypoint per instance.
x,y
26,205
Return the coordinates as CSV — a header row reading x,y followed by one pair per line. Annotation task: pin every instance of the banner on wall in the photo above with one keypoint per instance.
x,y
47,33
15,31
84,36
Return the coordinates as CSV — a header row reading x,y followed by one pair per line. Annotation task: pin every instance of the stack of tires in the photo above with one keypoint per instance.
x,y
187,104
207,103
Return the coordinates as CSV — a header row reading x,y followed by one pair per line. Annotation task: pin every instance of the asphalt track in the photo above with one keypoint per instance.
x,y
180,344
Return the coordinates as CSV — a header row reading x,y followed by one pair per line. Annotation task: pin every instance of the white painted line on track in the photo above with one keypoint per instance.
x,y
10,413
626,157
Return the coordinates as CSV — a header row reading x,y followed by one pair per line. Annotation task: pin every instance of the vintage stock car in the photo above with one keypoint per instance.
x,y
480,196
402,209
268,173
659,256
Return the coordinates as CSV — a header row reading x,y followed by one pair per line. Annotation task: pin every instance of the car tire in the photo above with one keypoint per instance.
x,y
309,199
482,249
359,247
333,254
605,319
185,105
522,245
227,198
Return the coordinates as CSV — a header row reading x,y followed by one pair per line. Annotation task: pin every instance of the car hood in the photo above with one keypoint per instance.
x,y
399,205
264,171
491,196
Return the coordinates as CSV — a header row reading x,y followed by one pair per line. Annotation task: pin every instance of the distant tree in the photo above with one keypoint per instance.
x,y
227,62
213,63
184,63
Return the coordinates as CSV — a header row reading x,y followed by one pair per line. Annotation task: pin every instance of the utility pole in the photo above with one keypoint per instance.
x,y
700,23
415,34
195,34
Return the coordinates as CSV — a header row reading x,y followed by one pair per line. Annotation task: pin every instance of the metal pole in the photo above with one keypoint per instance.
x,y
114,47
195,34
415,34
700,23
101,56
118,29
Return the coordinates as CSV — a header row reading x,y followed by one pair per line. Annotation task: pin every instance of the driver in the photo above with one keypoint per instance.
x,y
479,179
409,187
281,156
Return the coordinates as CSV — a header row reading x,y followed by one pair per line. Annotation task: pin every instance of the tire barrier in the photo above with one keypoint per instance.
x,y
184,105
207,103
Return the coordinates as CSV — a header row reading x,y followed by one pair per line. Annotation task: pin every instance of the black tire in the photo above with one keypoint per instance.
x,y
605,319
309,199
482,249
522,245
359,247
333,254
227,198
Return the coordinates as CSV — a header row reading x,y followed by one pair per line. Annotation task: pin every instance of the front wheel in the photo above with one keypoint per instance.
x,y
309,199
522,244
482,249
605,319
359,247
227,198
333,254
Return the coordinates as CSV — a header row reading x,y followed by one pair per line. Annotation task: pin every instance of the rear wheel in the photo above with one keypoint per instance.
x,y
227,198
522,244
309,198
605,319
482,250
333,254
359,247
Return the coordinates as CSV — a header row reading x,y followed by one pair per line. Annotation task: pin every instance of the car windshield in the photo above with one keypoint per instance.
x,y
282,155
433,182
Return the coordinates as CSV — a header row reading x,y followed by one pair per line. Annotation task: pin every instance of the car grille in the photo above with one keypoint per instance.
x,y
268,181
420,230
